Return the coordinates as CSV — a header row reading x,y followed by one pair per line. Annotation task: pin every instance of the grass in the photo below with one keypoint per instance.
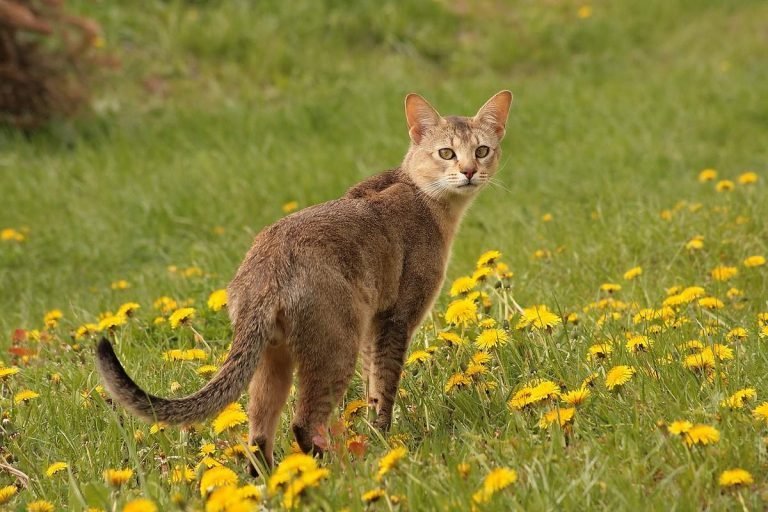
x,y
223,112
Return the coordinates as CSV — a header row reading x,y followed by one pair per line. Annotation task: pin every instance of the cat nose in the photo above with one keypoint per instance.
x,y
469,173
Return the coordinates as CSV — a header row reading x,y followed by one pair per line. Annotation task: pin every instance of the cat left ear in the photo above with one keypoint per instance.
x,y
495,112
421,116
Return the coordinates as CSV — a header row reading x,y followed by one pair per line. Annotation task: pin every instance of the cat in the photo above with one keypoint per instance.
x,y
356,275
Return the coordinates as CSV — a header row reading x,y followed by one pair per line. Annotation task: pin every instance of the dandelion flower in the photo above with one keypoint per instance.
x,y
111,321
165,304
561,416
55,468
584,12
390,460
231,416
24,396
140,505
488,258
610,287
723,273
373,495
538,317
695,244
497,480
701,434
618,376
725,186
739,398
737,334
217,300
761,411
748,178
40,506
182,474
418,356
735,477
8,372
462,311
711,303
127,309
491,338
633,273
120,284
599,351
704,360
7,492
576,397
181,316
721,352
639,343
754,261
216,477
452,338
679,427
117,477
707,175
207,370
456,381
11,235
290,206
51,318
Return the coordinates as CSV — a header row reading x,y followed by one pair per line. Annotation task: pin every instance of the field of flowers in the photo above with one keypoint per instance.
x,y
601,339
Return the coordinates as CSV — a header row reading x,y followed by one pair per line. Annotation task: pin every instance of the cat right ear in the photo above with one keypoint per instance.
x,y
421,116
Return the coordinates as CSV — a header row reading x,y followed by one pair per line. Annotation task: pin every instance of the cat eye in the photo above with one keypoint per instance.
x,y
446,153
482,151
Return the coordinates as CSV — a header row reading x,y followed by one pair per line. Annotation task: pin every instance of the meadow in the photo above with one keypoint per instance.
x,y
600,339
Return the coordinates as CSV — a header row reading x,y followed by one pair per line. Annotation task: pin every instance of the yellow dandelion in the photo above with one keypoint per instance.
x,y
707,175
51,318
11,235
679,427
725,186
207,370
456,381
633,273
704,360
117,477
452,338
497,480
8,372
695,244
7,492
724,273
737,334
735,477
157,427
290,206
463,469
86,330
110,322
462,311
40,506
538,317
610,287
576,397
418,356
701,434
140,505
373,495
353,408
748,178
216,477
639,343
488,258
739,398
491,338
754,261
217,300
181,474
127,309
711,303
25,396
584,12
691,345
599,351
232,416
181,316
560,416
120,284
165,304
618,376
291,467
734,293
55,468
761,411
389,461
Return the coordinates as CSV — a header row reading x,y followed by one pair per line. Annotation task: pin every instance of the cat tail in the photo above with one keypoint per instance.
x,y
224,388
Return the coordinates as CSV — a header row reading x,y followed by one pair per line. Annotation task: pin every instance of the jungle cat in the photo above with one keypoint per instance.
x,y
353,275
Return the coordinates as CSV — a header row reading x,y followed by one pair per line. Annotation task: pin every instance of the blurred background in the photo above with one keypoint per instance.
x,y
140,135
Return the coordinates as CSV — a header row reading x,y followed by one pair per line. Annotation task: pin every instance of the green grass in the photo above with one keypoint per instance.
x,y
613,114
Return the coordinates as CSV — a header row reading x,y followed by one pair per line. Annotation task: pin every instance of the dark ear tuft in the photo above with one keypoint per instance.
x,y
495,112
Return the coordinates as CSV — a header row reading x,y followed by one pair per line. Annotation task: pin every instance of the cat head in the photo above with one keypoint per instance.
x,y
454,156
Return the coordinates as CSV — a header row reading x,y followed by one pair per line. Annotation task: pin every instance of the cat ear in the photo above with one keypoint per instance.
x,y
495,112
421,116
